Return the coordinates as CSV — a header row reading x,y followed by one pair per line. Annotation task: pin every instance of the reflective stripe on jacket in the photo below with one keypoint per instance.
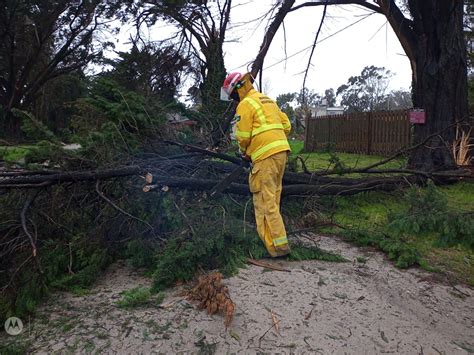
x,y
262,127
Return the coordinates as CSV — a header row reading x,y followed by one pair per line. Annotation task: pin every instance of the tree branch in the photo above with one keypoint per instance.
x,y
271,32
314,46
27,205
71,176
401,26
339,2
114,205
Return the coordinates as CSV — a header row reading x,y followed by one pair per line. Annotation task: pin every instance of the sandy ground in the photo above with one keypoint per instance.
x,y
320,307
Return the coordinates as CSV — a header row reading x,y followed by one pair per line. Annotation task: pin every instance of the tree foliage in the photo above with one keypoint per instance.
x,y
112,121
297,105
397,100
367,91
330,97
468,33
150,71
284,102
42,40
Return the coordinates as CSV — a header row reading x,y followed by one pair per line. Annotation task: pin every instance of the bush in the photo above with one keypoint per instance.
x,y
212,247
428,212
112,121
33,128
403,254
135,297
139,253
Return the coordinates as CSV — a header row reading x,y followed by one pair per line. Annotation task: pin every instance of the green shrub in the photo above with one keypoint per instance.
x,y
113,121
457,229
210,248
424,213
135,297
300,252
33,128
428,213
219,240
139,253
402,253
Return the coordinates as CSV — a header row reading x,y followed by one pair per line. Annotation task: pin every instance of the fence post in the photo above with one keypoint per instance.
x,y
329,133
369,133
306,128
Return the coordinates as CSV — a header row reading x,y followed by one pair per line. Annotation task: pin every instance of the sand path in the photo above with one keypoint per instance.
x,y
365,306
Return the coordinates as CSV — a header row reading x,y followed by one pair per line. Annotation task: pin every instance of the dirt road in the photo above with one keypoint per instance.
x,y
365,306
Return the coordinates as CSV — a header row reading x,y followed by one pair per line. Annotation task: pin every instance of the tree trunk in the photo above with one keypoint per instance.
x,y
212,106
433,40
439,80
10,125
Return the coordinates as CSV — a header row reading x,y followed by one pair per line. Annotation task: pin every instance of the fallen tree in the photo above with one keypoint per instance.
x,y
59,228
197,172
359,185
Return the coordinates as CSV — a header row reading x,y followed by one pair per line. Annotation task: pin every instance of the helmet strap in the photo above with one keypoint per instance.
x,y
235,95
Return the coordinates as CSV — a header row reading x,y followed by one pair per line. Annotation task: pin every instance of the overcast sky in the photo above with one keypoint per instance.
x,y
368,42
339,55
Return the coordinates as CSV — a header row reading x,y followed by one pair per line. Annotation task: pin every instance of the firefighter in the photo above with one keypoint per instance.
x,y
261,130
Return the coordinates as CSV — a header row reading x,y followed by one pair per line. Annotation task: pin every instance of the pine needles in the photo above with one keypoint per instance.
x,y
213,296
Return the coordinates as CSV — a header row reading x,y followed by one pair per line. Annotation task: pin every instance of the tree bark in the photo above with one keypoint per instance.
x,y
439,79
380,184
73,176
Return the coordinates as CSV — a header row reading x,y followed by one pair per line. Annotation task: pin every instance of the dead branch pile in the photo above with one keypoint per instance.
x,y
213,296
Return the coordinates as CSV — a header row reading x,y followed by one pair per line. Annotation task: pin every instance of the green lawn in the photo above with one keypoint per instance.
x,y
460,196
326,160
369,213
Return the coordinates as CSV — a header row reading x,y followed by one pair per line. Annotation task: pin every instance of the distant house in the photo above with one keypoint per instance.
x,y
324,110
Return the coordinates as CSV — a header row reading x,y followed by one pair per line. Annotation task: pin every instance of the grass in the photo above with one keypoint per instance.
x,y
327,160
135,297
15,346
365,217
460,196
160,297
368,215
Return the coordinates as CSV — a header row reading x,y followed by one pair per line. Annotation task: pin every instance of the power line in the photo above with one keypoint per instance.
x,y
325,38
306,48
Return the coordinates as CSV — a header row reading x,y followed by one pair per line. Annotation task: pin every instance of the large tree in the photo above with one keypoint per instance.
x,y
365,92
41,40
431,34
202,27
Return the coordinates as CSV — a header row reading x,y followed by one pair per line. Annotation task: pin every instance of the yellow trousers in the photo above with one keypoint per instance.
x,y
265,183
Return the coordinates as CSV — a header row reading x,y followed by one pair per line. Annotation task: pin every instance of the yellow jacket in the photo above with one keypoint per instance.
x,y
262,127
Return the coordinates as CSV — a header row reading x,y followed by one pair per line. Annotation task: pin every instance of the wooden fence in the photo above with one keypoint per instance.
x,y
379,133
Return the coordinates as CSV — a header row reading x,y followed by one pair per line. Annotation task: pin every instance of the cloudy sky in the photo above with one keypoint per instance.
x,y
370,41
349,40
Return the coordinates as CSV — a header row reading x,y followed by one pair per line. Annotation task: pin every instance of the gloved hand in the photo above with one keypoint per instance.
x,y
245,158
242,156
